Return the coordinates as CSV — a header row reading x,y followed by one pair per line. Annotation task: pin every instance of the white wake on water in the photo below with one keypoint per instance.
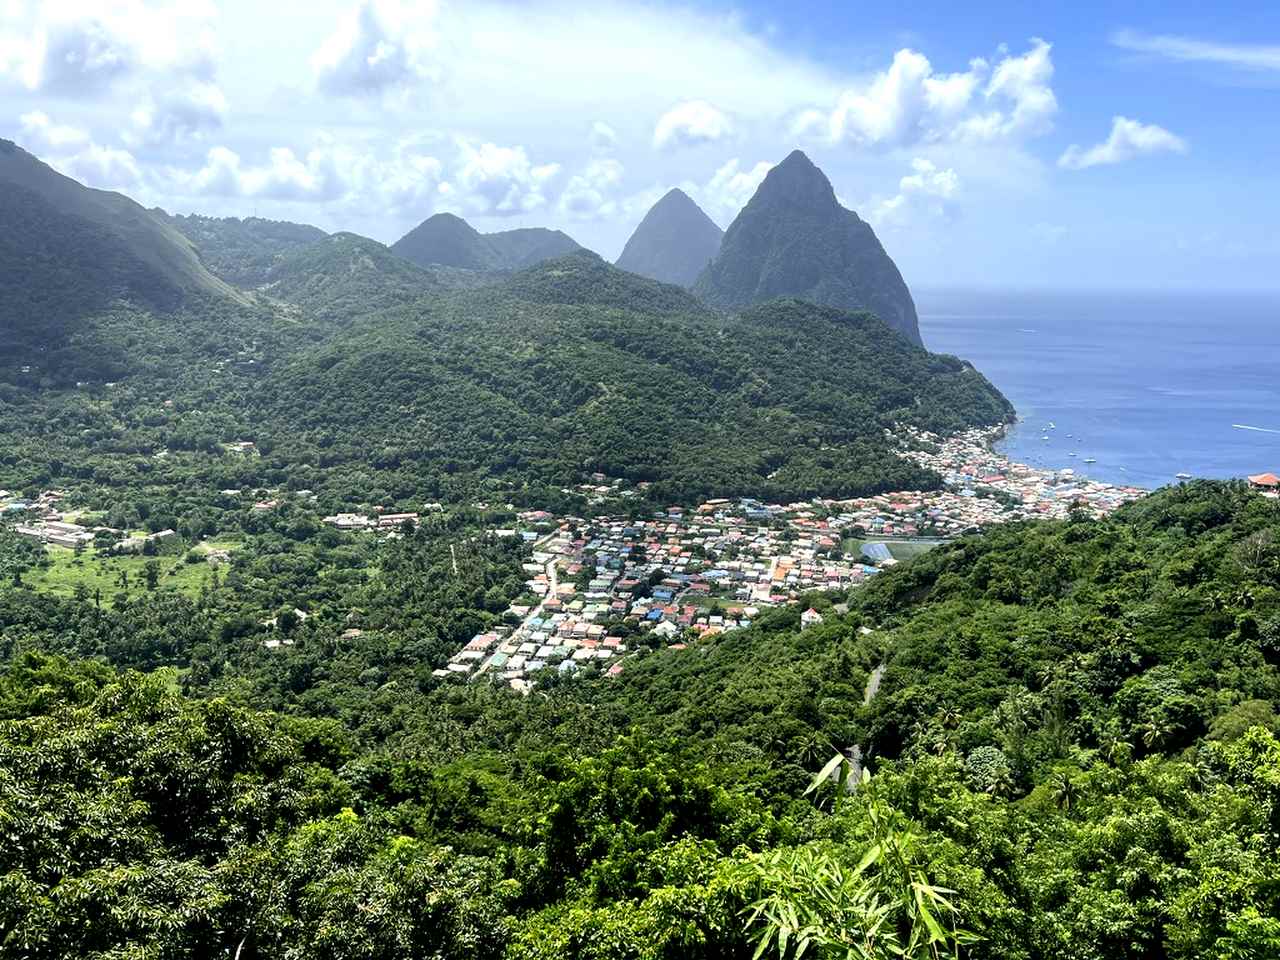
x,y
1245,426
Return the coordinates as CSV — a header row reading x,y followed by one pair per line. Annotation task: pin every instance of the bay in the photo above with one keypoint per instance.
x,y
1148,385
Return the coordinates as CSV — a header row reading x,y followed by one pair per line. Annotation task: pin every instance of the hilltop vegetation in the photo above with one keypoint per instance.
x,y
69,251
578,367
243,252
449,241
1076,736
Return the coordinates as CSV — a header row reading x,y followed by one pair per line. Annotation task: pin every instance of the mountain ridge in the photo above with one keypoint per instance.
x,y
448,240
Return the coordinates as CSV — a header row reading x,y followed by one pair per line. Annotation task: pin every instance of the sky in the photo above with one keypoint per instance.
x,y
991,145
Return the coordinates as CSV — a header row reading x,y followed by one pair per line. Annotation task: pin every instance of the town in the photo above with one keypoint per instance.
x,y
690,573
600,587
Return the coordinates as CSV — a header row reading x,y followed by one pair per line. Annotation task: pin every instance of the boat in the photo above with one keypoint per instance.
x,y
1090,459
1070,454
1044,438
1182,476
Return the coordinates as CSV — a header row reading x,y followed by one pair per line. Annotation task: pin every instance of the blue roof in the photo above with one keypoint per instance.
x,y
654,615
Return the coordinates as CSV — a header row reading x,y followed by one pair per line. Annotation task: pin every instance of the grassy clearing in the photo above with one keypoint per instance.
x,y
900,550
106,574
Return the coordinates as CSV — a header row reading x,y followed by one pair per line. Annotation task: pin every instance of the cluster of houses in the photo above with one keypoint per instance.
x,y
985,488
46,523
360,521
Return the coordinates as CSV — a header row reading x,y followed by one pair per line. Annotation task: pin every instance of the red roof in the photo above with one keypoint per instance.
x,y
1265,480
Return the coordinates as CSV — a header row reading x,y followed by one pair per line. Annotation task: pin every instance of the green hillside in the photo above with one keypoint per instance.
x,y
1074,755
579,367
449,241
71,250
243,252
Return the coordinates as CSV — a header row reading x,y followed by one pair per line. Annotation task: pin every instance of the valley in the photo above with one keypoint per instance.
x,y
471,596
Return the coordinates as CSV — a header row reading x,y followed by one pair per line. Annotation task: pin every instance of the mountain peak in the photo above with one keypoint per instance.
x,y
797,181
674,241
794,239
444,239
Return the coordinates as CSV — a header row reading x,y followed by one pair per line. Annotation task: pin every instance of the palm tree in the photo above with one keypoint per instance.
x,y
1064,791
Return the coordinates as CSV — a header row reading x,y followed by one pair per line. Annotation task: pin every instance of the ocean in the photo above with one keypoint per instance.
x,y
1149,386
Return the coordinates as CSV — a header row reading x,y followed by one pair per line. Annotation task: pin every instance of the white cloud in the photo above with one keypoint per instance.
x,y
72,151
689,124
910,104
927,190
81,48
107,168
183,112
382,45
729,189
1247,56
323,174
497,181
590,195
1128,139
603,137
42,132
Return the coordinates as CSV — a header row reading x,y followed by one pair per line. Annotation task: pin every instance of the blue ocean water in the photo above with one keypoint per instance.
x,y
1150,386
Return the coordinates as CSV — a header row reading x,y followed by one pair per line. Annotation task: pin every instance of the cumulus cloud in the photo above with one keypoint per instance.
x,y
181,113
590,195
322,174
910,104
498,181
82,47
729,188
1128,139
44,134
689,124
108,168
603,137
383,45
928,189
72,151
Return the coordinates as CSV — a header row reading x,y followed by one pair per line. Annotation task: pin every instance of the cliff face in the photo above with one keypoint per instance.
x,y
793,239
674,242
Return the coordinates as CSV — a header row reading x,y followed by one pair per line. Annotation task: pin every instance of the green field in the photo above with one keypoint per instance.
x,y
103,574
900,549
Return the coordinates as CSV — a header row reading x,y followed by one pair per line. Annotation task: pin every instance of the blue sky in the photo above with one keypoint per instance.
x,y
1005,145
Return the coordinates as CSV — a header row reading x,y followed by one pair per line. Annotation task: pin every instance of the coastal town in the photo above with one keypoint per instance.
x,y
600,587
684,574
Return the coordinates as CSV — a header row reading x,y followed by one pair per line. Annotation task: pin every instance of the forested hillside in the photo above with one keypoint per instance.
x,y
579,367
1073,755
243,252
68,252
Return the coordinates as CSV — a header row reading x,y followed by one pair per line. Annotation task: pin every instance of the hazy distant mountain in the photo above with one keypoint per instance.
x,y
674,242
450,241
530,246
243,252
793,239
66,251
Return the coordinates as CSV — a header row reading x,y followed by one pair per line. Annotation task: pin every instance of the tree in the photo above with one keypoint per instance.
x,y
872,903
152,573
